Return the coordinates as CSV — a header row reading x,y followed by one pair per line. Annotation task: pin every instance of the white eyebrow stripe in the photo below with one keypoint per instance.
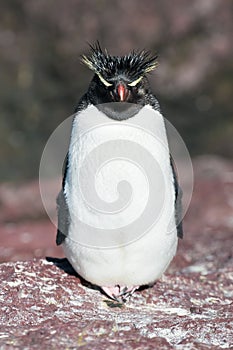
x,y
135,82
105,82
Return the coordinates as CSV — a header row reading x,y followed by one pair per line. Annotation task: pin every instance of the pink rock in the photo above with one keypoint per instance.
x,y
41,305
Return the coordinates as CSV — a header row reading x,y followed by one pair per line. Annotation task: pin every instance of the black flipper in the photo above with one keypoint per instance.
x,y
178,202
62,207
63,218
178,191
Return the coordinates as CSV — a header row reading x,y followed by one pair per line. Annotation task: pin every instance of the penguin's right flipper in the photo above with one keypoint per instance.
x,y
63,218
62,207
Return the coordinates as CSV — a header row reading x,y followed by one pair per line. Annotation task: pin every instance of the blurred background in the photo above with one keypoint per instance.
x,y
42,80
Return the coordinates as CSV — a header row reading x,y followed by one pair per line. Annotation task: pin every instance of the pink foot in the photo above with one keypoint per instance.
x,y
119,293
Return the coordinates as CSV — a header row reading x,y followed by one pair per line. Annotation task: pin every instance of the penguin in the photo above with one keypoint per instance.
x,y
119,97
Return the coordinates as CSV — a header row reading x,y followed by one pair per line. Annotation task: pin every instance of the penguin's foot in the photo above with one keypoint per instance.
x,y
119,293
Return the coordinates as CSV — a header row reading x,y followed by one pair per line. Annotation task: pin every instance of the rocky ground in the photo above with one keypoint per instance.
x,y
45,305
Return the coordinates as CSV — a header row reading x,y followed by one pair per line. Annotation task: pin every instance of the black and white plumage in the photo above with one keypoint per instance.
x,y
119,91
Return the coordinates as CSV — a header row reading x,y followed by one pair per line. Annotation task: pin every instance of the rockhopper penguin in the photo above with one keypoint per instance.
x,y
119,92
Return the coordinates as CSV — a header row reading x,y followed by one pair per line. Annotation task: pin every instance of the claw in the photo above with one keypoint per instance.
x,y
119,293
112,292
123,290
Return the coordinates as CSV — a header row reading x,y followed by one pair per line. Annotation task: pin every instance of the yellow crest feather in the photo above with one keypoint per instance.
x,y
88,63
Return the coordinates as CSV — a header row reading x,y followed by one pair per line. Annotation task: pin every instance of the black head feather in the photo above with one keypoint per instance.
x,y
135,64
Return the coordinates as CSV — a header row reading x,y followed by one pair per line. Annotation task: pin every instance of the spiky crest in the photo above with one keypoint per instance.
x,y
135,64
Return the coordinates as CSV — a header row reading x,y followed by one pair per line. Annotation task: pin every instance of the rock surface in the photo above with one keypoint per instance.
x,y
41,305
45,305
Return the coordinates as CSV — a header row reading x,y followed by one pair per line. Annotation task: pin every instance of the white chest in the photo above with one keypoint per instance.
x,y
120,194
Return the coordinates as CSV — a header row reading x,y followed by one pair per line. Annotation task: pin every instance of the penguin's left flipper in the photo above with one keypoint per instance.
x,y
178,208
178,202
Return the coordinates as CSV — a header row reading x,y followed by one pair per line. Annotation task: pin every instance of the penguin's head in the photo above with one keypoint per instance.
x,y
119,79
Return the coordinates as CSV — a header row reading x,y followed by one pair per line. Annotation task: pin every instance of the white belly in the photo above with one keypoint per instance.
x,y
120,194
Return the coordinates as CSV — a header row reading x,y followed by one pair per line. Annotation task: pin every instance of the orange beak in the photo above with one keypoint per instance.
x,y
122,92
